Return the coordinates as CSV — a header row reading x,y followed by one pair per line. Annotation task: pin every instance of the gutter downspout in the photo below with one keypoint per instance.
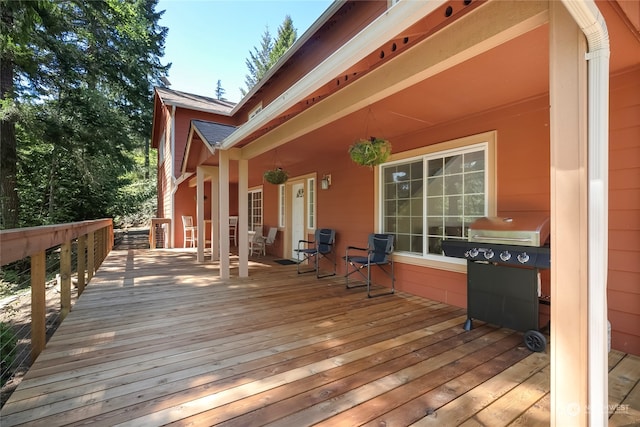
x,y
588,17
174,184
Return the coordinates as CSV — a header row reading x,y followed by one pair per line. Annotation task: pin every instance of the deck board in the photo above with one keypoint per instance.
x,y
158,339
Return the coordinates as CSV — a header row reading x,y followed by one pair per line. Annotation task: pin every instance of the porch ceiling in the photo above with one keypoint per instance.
x,y
507,74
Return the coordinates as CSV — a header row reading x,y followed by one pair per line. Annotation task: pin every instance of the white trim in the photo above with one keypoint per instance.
x,y
402,15
311,31
243,232
282,205
588,17
485,142
311,199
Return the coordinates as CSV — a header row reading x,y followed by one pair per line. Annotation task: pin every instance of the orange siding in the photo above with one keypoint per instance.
x,y
182,122
523,185
624,208
523,171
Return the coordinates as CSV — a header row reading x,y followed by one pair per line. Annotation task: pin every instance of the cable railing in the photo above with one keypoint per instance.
x,y
43,270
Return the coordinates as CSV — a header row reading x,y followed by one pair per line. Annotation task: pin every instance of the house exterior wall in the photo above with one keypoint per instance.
x,y
624,211
165,182
523,164
185,204
523,175
182,122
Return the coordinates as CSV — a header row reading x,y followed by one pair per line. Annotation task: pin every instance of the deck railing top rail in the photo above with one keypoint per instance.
x,y
19,243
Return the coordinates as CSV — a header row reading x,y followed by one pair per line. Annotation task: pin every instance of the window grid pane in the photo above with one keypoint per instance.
x,y
433,198
311,203
255,209
403,205
281,204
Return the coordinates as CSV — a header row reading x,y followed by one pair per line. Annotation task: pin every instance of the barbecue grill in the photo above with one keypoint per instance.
x,y
504,258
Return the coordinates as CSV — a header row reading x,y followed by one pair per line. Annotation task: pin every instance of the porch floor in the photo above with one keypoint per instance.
x,y
159,339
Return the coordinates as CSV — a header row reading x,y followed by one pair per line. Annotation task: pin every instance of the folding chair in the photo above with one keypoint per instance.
x,y
378,254
322,246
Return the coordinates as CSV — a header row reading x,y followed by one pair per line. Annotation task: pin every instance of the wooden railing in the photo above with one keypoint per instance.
x,y
94,241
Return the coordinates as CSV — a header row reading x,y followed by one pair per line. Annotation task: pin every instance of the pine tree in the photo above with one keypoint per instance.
x,y
220,91
77,80
287,35
270,51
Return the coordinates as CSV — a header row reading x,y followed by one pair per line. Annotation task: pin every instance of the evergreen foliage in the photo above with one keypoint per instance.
x,y
270,51
77,85
220,91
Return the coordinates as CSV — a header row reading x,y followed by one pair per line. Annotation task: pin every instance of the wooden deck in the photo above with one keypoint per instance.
x,y
158,339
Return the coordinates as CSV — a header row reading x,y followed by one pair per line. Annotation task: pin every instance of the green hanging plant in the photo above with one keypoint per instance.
x,y
370,152
276,176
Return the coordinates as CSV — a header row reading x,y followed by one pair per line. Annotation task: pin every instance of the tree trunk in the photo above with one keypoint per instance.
x,y
146,158
9,202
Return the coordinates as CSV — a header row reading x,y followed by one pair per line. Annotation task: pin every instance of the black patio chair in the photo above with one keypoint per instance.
x,y
378,254
322,247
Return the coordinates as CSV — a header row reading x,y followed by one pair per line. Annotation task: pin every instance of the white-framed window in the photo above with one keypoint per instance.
x,y
255,208
435,193
282,205
311,203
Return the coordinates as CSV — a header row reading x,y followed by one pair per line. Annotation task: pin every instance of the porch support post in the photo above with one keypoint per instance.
x,y
223,186
201,241
243,208
569,220
215,214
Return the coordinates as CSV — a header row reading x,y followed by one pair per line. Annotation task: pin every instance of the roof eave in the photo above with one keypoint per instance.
x,y
299,43
396,18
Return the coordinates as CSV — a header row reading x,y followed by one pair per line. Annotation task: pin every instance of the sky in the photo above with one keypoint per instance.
x,y
210,40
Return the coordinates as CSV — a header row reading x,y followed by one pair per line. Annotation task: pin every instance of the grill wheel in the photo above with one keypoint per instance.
x,y
535,341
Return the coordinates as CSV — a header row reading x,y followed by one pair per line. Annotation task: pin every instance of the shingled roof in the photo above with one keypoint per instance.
x,y
194,102
212,133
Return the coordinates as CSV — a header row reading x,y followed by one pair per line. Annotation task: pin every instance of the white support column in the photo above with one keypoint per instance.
x,y
223,217
215,214
569,221
243,208
200,244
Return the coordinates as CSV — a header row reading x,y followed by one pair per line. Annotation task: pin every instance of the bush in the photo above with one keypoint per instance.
x,y
8,342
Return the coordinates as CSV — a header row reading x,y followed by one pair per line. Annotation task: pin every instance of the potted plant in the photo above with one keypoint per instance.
x,y
370,152
276,176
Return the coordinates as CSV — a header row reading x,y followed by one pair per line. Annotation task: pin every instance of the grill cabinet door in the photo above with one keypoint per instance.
x,y
502,295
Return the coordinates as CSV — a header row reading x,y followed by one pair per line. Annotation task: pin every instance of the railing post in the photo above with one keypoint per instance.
x,y
65,279
99,246
38,304
91,255
82,264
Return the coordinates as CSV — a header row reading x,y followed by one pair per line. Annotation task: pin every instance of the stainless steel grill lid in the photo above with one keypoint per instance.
x,y
523,230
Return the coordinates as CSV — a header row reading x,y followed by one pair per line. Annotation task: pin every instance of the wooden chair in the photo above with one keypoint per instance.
x,y
190,231
233,229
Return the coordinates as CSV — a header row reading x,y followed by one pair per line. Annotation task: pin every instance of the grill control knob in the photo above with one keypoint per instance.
x,y
523,257
505,256
488,254
473,252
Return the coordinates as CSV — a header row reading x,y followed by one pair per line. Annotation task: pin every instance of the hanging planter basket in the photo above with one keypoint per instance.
x,y
370,152
276,176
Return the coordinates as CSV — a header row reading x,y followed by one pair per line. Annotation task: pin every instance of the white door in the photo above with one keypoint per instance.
x,y
297,217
